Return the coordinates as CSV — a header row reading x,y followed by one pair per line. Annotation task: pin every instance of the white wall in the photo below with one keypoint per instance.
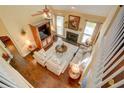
x,y
3,31
16,18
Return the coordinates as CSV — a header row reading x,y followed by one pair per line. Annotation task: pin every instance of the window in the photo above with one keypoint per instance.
x,y
60,25
88,31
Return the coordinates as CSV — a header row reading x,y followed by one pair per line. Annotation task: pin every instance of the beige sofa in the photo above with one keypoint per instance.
x,y
54,62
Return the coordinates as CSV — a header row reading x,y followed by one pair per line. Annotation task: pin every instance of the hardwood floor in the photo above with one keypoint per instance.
x,y
37,75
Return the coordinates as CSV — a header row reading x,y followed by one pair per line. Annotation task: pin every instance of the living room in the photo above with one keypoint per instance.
x,y
53,46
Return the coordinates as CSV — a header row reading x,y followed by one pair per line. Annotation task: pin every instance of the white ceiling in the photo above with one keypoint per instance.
x,y
100,10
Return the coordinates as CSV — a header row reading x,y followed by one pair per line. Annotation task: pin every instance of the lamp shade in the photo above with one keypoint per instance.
x,y
75,68
27,42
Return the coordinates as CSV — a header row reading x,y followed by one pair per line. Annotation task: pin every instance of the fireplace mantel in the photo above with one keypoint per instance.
x,y
75,32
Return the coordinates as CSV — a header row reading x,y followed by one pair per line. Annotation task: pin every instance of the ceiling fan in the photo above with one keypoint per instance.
x,y
46,12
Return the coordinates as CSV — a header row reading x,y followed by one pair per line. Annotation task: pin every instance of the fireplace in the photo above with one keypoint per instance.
x,y
71,37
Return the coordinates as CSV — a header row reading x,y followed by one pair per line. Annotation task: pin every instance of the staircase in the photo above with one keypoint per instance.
x,y
109,68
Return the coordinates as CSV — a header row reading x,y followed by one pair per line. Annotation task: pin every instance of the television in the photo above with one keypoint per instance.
x,y
44,31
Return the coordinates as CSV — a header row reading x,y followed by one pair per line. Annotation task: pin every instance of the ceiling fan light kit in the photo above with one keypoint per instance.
x,y
45,12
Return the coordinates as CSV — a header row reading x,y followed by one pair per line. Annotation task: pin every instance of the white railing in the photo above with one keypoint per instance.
x,y
112,47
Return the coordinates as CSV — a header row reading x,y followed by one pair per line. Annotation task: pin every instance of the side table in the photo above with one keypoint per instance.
x,y
74,71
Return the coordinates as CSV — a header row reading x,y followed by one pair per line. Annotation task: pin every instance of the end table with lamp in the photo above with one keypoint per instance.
x,y
75,71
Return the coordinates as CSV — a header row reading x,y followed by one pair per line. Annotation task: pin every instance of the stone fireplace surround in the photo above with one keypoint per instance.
x,y
79,33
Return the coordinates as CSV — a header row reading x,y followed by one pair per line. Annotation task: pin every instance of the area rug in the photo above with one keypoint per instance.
x,y
66,56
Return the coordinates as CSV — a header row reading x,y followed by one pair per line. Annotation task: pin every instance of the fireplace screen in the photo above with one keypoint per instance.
x,y
72,37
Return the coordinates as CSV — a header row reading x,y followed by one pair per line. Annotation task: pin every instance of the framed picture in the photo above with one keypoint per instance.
x,y
73,22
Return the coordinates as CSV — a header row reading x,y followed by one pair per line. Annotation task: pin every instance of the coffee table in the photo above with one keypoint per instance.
x,y
61,48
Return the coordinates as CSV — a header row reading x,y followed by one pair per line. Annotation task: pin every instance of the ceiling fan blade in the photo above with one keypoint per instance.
x,y
40,11
36,14
48,15
45,11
